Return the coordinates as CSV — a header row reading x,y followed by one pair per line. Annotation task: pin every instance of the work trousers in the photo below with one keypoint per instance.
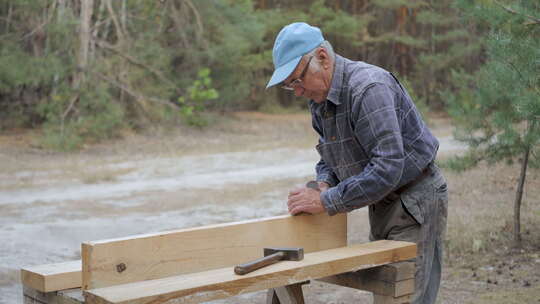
x,y
417,215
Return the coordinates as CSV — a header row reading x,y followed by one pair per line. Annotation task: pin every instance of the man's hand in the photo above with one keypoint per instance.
x,y
305,200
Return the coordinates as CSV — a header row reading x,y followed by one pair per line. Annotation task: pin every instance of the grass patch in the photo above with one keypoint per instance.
x,y
481,206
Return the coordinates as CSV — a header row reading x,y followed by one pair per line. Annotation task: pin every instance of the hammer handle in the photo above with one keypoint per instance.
x,y
259,263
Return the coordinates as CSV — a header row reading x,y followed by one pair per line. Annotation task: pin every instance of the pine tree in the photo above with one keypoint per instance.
x,y
421,41
498,108
392,39
448,45
87,69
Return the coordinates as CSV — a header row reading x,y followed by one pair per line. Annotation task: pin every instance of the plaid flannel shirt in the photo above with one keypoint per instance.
x,y
372,138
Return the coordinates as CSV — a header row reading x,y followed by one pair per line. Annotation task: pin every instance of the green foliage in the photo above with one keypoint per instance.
x,y
399,3
31,68
149,58
423,40
434,18
450,43
199,93
98,118
498,107
337,25
419,101
397,38
235,33
463,162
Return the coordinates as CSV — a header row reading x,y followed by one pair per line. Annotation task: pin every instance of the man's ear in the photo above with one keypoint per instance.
x,y
323,57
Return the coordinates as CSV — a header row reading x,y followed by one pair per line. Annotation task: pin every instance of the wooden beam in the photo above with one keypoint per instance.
x,y
52,277
158,255
223,283
392,272
61,276
394,280
353,280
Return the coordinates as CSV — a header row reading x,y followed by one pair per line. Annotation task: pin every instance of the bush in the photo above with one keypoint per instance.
x,y
199,94
98,117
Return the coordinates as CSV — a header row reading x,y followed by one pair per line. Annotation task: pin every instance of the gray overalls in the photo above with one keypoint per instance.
x,y
415,210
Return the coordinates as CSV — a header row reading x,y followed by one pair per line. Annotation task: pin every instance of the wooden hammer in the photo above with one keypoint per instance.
x,y
271,256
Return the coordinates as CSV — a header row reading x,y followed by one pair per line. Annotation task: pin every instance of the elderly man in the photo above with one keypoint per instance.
x,y
375,149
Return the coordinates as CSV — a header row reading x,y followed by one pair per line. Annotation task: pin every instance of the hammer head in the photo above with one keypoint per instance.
x,y
291,254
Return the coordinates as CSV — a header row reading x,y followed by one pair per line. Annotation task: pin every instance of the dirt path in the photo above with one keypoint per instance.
x,y
240,168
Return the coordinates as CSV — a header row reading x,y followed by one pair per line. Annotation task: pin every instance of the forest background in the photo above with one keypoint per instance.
x,y
81,74
86,70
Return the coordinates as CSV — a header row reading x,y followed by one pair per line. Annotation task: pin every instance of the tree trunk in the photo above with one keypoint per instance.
x,y
8,19
84,39
401,49
121,43
82,58
95,31
61,10
123,17
124,65
519,195
118,27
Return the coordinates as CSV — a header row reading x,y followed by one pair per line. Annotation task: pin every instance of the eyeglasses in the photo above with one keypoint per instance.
x,y
295,83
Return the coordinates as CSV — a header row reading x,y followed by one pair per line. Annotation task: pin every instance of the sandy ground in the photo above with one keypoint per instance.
x,y
239,168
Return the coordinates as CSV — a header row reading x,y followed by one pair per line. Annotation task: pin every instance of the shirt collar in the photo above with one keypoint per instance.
x,y
337,81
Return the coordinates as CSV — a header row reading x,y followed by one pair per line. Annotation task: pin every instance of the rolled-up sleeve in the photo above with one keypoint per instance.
x,y
377,129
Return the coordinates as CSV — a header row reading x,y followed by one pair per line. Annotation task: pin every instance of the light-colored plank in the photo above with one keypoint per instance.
x,y
403,287
392,272
52,277
159,255
395,279
223,283
358,281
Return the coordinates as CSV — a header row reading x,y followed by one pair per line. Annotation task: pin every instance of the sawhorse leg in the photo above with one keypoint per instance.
x,y
290,294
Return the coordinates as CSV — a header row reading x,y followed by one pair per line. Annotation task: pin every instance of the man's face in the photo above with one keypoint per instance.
x,y
310,79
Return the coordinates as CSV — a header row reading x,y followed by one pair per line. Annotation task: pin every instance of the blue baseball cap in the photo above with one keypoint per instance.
x,y
293,41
